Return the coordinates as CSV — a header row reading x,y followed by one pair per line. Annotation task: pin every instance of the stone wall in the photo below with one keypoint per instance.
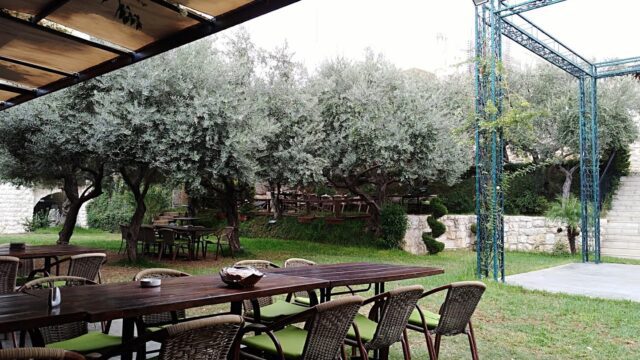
x,y
17,203
522,233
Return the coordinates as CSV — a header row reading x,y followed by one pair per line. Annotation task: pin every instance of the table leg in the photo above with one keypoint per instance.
x,y
127,336
382,354
236,308
47,265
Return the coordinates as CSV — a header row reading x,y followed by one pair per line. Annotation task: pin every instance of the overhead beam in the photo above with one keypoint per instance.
x,y
46,10
182,10
626,71
524,32
17,89
526,6
64,35
35,66
190,34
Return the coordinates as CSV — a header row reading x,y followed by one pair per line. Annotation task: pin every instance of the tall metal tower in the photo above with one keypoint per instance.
x,y
494,19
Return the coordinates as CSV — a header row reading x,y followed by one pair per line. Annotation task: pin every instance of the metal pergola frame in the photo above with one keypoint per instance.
x,y
493,20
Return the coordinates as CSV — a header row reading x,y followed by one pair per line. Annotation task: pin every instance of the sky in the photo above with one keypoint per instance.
x,y
436,35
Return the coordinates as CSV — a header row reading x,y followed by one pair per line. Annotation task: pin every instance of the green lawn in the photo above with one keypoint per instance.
x,y
511,323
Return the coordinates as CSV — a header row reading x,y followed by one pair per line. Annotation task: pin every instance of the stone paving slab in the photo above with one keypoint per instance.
x,y
607,281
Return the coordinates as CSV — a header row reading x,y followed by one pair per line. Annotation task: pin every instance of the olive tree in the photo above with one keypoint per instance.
x,y
382,126
288,158
51,141
553,134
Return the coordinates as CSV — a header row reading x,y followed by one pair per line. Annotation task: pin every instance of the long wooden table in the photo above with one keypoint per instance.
x,y
46,252
129,301
347,274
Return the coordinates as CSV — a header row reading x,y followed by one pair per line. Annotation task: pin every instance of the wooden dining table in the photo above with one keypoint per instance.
x,y
46,252
194,234
128,301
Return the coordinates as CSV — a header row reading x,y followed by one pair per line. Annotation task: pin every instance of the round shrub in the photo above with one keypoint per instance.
x,y
433,246
393,223
109,210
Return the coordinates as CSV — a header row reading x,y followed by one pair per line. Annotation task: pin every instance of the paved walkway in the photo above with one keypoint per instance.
x,y
608,281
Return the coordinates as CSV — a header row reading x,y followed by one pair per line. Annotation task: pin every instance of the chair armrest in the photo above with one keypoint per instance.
x,y
289,320
376,298
436,290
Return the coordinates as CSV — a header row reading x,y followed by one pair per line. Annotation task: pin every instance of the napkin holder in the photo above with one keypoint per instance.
x,y
55,297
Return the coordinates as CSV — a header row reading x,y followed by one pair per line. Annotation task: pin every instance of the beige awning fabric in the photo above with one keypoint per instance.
x,y
47,45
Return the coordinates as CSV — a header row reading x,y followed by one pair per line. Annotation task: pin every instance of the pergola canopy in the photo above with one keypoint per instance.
x,y
47,45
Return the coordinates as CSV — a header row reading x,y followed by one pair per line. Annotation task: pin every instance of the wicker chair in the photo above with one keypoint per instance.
x,y
8,274
169,241
73,336
387,321
210,338
322,337
124,231
84,265
268,310
156,320
38,354
301,298
147,239
222,237
454,318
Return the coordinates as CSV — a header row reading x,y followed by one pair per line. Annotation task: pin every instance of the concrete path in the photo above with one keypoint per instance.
x,y
608,281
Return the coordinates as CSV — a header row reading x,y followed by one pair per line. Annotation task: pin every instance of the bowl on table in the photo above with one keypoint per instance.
x,y
240,276
150,282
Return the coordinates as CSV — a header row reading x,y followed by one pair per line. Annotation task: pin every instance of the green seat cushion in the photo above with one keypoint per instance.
x,y
89,342
366,327
303,300
277,310
432,319
291,338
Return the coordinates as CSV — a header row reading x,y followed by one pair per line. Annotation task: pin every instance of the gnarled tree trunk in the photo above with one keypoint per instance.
x,y
138,181
76,201
229,199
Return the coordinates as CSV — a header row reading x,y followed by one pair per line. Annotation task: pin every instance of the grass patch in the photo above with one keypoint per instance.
x,y
511,323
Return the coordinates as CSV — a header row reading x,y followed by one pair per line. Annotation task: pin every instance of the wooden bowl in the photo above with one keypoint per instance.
x,y
240,277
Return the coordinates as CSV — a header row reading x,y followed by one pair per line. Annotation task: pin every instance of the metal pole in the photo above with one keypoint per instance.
x,y
595,171
584,196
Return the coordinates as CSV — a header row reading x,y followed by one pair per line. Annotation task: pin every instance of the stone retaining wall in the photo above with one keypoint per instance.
x,y
17,203
522,233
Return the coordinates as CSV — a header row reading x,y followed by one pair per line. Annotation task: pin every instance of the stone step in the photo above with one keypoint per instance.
x,y
623,225
613,230
620,238
620,245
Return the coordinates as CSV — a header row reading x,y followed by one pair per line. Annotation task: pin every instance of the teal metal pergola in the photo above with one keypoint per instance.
x,y
495,19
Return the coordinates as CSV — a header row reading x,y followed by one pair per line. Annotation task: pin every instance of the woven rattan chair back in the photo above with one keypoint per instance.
x,y
86,265
8,273
26,267
165,317
66,331
260,265
328,328
394,316
35,353
168,236
205,339
147,235
459,305
297,262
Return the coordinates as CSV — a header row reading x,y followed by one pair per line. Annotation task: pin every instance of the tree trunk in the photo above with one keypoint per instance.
x,y
76,200
571,236
568,179
64,236
277,206
139,182
134,226
230,207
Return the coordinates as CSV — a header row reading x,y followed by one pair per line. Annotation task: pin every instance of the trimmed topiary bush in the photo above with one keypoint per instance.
x,y
393,222
433,246
437,228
